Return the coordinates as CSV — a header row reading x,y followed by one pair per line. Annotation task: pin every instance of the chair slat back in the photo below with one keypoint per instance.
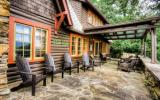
x,y
23,65
85,59
132,63
67,60
50,64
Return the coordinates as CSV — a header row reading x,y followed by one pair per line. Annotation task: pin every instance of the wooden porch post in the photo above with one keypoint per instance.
x,y
142,47
154,45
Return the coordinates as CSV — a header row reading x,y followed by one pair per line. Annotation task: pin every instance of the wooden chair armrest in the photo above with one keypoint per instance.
x,y
27,73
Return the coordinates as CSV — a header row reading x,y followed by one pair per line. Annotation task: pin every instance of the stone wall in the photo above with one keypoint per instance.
x,y
4,30
152,84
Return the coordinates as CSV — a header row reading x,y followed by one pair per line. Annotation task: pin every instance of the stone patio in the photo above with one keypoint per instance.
x,y
105,83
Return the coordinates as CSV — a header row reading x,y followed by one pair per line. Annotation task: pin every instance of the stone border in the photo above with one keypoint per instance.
x,y
4,30
152,76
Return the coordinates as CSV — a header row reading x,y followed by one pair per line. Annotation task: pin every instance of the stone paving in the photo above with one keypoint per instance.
x,y
105,83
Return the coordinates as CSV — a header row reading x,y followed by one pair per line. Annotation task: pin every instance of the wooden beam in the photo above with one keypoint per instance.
x,y
154,46
69,19
135,33
145,47
145,33
106,31
142,43
125,34
123,38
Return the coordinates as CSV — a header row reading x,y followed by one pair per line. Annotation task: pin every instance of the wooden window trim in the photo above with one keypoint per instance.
x,y
82,45
12,21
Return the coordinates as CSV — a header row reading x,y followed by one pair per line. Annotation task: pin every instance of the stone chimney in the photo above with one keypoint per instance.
x,y
4,31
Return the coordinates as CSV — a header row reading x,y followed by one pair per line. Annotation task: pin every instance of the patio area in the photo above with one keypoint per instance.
x,y
105,83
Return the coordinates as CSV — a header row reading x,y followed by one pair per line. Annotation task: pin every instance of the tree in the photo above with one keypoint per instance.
x,y
118,11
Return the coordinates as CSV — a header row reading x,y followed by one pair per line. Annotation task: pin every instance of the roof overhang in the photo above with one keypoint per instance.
x,y
132,30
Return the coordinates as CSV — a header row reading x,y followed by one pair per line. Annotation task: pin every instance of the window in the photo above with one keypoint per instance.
x,y
23,40
96,48
78,45
85,45
40,42
73,45
28,39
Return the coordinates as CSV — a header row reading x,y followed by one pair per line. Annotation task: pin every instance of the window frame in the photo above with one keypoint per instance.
x,y
23,41
46,49
76,44
80,45
12,24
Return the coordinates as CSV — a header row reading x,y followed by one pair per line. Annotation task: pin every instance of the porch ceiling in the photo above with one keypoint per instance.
x,y
133,30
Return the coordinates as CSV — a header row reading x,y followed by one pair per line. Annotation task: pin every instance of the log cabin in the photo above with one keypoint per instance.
x,y
37,27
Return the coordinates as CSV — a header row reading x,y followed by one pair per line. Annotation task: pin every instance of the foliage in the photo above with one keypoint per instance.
x,y
155,6
120,46
118,11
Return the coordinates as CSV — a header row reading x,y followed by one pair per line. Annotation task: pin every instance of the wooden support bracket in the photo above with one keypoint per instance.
x,y
59,18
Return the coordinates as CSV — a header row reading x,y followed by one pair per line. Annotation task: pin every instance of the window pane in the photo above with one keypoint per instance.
x,y
27,30
26,53
38,54
43,53
19,52
73,45
43,47
19,28
79,46
22,40
27,46
19,37
26,38
43,36
38,39
40,42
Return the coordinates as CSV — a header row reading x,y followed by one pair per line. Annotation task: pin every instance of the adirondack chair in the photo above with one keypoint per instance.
x,y
103,58
28,78
68,65
50,66
87,63
128,66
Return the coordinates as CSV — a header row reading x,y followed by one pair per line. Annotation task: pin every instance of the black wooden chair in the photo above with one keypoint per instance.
x,y
28,78
128,66
87,63
103,58
68,65
50,66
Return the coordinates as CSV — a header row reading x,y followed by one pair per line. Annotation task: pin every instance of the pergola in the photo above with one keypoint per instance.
x,y
133,30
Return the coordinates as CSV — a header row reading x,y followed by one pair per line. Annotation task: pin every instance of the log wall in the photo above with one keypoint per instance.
x,y
43,11
40,11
